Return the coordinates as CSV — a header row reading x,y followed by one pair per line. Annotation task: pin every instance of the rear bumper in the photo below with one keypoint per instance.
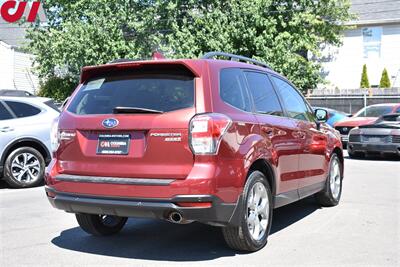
x,y
218,213
374,148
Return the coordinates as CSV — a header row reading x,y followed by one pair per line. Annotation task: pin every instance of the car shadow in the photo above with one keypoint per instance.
x,y
3,184
375,158
163,241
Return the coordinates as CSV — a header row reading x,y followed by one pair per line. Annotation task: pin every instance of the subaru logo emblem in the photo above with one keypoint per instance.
x,y
110,123
345,129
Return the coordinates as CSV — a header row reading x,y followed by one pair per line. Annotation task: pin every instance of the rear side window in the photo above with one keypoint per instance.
x,y
264,96
156,91
22,110
4,114
232,89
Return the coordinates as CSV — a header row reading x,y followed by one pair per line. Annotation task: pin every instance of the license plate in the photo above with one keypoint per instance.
x,y
113,144
374,139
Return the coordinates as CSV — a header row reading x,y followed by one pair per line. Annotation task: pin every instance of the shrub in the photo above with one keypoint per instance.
x,y
385,81
364,78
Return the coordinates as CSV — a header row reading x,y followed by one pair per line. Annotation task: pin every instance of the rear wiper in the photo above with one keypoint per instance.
x,y
128,110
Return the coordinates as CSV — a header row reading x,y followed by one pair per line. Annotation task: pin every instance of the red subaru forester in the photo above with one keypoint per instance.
x,y
221,142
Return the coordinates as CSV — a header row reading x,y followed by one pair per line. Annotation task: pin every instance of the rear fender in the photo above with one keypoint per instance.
x,y
254,149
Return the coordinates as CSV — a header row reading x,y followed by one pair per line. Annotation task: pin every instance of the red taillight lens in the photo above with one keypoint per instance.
x,y
206,131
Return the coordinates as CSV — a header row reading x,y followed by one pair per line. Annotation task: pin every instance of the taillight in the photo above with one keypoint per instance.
x,y
57,135
206,131
55,142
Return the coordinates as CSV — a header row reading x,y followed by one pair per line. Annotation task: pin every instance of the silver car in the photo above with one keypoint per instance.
x,y
380,138
25,146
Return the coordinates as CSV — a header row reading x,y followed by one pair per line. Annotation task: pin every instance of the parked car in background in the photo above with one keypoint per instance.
x,y
64,103
219,142
381,137
25,148
334,116
365,116
19,93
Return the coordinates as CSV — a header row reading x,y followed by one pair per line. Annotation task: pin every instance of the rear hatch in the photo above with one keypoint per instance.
x,y
130,123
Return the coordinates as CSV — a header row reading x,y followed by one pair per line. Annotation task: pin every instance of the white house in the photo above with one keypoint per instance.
x,y
16,70
16,66
374,40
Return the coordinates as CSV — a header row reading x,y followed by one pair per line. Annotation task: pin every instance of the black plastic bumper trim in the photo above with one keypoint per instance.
x,y
113,180
391,148
219,213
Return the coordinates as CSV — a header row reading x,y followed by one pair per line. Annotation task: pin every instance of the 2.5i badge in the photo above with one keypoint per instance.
x,y
169,137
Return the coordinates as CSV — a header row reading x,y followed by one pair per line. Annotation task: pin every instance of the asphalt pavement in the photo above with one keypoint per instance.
x,y
364,230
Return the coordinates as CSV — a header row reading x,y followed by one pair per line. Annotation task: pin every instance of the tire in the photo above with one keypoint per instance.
x,y
24,167
100,225
355,155
331,194
242,237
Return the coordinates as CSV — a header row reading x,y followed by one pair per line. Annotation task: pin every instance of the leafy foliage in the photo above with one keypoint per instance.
x,y
364,78
282,33
385,81
56,88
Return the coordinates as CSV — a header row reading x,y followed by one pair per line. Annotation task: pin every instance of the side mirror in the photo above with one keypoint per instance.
x,y
321,115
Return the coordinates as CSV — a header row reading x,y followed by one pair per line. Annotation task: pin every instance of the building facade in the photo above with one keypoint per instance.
x,y
16,66
16,70
374,40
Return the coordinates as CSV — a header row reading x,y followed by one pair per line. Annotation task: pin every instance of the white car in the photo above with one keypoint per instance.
x,y
25,146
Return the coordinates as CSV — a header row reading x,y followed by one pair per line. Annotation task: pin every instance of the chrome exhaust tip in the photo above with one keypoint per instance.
x,y
175,217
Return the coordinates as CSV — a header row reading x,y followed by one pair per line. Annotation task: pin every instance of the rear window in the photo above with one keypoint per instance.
x,y
162,92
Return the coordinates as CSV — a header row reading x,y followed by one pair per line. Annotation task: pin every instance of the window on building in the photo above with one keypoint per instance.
x,y
372,42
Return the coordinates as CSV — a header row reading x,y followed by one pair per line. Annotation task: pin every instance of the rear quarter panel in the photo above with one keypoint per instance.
x,y
36,127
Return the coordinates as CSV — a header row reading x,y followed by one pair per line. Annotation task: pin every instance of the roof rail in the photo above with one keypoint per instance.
x,y
211,55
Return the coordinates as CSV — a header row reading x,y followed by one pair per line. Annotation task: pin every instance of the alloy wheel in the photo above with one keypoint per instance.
x,y
258,211
335,179
25,168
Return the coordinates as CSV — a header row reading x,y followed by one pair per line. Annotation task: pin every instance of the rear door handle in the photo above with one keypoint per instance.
x,y
299,134
6,129
268,130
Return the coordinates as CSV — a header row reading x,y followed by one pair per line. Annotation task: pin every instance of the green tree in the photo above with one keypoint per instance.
x,y
281,33
364,78
57,88
385,81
